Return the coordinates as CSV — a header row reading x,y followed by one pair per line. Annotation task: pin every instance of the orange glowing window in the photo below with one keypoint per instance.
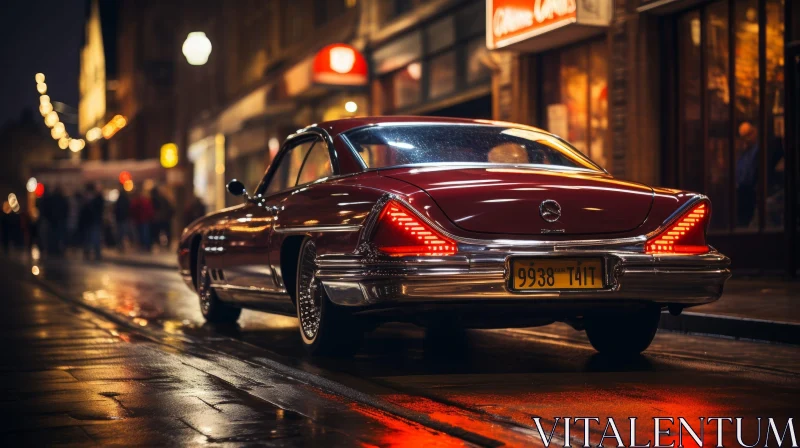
x,y
401,233
687,235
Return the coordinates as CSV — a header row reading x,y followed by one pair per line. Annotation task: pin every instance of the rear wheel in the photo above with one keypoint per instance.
x,y
213,309
623,334
325,328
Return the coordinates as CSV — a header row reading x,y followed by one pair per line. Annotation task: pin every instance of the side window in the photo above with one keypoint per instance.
x,y
288,167
317,165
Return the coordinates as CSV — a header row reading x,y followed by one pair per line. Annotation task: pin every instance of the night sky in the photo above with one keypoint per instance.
x,y
39,36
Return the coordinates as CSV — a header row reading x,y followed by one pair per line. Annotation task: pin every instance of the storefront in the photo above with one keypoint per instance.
x,y
725,122
438,67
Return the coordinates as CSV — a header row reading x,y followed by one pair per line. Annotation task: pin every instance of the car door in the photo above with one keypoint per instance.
x,y
249,231
316,168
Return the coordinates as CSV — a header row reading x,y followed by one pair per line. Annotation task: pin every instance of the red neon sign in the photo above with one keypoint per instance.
x,y
340,64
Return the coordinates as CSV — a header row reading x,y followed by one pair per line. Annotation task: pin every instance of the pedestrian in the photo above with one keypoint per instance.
x,y
122,218
162,221
58,226
196,209
90,222
142,216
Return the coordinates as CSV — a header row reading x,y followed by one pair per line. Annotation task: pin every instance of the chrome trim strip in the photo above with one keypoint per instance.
x,y
252,289
310,131
316,229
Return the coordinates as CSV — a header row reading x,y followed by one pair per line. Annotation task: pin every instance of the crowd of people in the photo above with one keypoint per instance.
x,y
89,221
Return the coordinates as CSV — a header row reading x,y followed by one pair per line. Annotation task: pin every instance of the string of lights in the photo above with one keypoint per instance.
x,y
59,132
57,129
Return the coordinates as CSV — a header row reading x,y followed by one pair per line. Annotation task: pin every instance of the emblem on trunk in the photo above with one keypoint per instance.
x,y
550,210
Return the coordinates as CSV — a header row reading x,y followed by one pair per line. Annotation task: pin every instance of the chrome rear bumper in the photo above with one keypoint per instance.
x,y
629,275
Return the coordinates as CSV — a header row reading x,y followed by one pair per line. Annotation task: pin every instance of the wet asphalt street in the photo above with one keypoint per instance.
x,y
401,389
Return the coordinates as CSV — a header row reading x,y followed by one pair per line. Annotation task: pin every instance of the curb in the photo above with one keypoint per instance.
x,y
734,327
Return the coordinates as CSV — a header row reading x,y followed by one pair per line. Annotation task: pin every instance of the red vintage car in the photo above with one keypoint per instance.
x,y
450,223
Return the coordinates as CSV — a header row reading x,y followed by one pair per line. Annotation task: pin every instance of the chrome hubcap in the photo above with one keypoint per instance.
x,y
309,300
204,290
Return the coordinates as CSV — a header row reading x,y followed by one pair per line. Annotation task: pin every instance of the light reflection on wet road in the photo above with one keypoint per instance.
x,y
491,382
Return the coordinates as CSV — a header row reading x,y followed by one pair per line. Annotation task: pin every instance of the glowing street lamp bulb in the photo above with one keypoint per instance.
x,y
196,48
39,78
31,185
351,106
41,88
63,143
51,119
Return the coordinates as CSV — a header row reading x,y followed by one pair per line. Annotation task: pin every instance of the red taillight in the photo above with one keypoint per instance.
x,y
687,235
399,232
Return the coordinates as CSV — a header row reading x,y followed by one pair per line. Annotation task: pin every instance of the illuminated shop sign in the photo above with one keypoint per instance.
x,y
339,64
511,22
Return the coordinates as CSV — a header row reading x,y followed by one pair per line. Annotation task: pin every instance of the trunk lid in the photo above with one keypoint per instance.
x,y
507,200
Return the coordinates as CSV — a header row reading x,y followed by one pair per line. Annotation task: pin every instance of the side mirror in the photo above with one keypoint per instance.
x,y
236,188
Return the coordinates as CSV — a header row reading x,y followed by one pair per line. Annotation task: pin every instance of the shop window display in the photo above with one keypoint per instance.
x,y
730,144
575,94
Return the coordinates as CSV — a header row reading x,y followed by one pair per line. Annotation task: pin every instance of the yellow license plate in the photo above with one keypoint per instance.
x,y
556,273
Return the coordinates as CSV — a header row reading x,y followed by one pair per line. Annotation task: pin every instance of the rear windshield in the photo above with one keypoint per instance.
x,y
395,145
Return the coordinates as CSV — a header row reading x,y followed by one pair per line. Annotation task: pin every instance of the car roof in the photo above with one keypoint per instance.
x,y
336,127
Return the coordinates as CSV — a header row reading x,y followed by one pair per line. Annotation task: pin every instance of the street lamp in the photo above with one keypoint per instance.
x,y
196,48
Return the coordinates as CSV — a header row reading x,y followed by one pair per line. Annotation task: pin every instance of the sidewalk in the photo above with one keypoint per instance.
x,y
758,308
